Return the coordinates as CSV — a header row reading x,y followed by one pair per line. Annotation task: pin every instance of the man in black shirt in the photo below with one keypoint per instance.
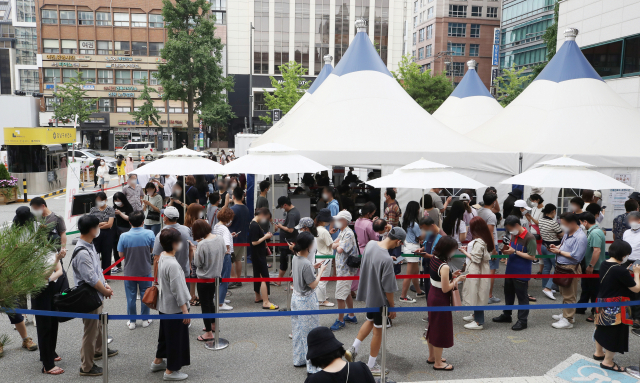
x,y
96,165
288,231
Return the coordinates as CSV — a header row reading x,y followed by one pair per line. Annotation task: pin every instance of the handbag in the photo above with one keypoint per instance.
x,y
152,215
80,299
455,297
60,285
150,297
611,316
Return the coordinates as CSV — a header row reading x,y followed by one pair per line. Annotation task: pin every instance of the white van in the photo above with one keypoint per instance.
x,y
146,150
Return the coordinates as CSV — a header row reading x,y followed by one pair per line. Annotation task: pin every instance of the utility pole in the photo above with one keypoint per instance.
x,y
251,28
55,91
447,57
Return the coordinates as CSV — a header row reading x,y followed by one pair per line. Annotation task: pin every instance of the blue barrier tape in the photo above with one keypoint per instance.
x,y
53,313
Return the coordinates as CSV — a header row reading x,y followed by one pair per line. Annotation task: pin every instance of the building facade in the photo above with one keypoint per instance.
x,y
610,40
302,31
115,45
463,28
18,47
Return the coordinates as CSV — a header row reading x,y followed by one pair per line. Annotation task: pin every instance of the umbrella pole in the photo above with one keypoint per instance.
x,y
562,202
184,194
273,217
422,202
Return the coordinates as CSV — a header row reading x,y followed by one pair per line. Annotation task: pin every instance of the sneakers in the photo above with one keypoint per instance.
x,y
351,354
562,324
503,318
557,317
158,367
227,301
110,353
420,295
494,300
425,319
468,318
337,325
376,370
407,299
94,371
175,375
473,326
326,304
352,319
225,307
116,270
29,344
131,325
146,323
549,294
234,285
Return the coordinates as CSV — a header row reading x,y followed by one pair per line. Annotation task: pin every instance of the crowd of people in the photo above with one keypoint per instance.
x,y
173,228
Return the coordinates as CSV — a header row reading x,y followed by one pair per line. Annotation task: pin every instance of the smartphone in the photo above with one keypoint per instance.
x,y
326,262
286,240
398,260
238,232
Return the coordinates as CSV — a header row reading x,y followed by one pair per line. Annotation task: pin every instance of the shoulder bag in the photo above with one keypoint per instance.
x,y
152,215
611,316
150,297
81,299
353,261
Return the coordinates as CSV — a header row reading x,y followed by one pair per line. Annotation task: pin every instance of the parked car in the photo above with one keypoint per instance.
x,y
86,156
146,150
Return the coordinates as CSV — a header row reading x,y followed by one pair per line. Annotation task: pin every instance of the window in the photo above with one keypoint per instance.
x,y
139,75
476,11
68,17
89,75
413,53
103,18
105,105
156,21
50,103
456,48
87,47
426,67
50,74
69,47
50,46
429,50
415,6
421,54
152,79
430,13
139,20
421,35
26,46
474,50
475,30
122,48
68,74
29,80
429,31
123,77
121,19
457,10
105,47
175,110
25,11
138,48
457,70
154,49
221,17
105,76
457,30
421,18
415,21
414,37
84,18
492,12
49,16
632,55
123,109
605,58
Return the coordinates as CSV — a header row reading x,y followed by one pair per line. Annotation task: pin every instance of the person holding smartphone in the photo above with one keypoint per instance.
x,y
258,240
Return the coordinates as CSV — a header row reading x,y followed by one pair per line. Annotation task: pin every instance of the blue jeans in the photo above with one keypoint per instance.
x,y
549,265
478,316
226,273
155,228
131,289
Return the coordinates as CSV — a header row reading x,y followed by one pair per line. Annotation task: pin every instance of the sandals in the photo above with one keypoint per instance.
x,y
444,368
54,371
443,361
260,301
201,339
532,299
195,302
598,358
615,367
271,307
57,359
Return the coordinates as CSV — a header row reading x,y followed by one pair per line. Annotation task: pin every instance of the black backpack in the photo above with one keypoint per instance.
x,y
81,299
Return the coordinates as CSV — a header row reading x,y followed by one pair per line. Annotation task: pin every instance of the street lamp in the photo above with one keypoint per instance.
x,y
251,28
447,59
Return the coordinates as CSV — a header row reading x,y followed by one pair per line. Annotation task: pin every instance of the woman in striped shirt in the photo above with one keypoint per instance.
x,y
551,233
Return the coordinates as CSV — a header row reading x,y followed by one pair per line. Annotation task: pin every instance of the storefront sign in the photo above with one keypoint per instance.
x,y
38,136
122,65
89,87
86,44
48,87
95,120
61,57
123,95
118,58
173,122
126,122
72,65
161,61
121,88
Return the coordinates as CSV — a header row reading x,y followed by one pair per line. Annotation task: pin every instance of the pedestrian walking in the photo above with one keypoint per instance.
x,y
102,171
121,170
103,243
129,166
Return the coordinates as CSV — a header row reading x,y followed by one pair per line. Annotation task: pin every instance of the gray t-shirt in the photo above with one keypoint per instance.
x,y
262,202
302,272
182,256
292,220
437,200
490,218
173,287
209,257
376,276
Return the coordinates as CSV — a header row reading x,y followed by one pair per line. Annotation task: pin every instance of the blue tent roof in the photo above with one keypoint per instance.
x,y
361,55
324,73
568,64
470,86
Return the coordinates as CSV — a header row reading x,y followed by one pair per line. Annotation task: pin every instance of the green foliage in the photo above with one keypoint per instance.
x,y
73,101
511,84
427,90
550,38
4,173
192,72
287,92
147,112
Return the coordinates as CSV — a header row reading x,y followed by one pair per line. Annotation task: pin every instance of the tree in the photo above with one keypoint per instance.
x,y
427,90
216,115
192,72
147,112
73,101
550,38
287,92
511,84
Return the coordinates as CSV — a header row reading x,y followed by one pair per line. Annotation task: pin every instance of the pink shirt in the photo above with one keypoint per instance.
x,y
365,233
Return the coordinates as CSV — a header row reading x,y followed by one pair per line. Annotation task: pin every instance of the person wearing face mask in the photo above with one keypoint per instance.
x,y
104,242
569,254
324,243
437,200
152,202
195,211
377,286
345,246
431,234
632,237
123,209
103,175
411,225
190,190
328,196
593,258
263,201
621,223
239,228
364,232
258,240
488,213
133,192
184,255
221,228
129,167
522,250
168,181
575,205
39,209
551,233
288,231
212,208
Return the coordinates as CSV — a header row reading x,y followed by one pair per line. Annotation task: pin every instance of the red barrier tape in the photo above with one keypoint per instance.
x,y
112,266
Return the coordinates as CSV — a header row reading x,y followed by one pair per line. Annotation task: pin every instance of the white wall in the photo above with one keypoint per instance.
x,y
18,112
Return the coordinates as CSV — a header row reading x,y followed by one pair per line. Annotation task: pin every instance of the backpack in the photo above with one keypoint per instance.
x,y
80,299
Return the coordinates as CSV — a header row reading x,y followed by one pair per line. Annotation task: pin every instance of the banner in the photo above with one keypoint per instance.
x,y
73,186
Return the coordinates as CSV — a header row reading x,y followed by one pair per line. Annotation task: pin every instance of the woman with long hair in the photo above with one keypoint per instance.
x,y
122,208
411,224
224,218
103,175
103,243
453,223
129,164
190,190
443,281
478,253
195,211
203,189
152,205
430,210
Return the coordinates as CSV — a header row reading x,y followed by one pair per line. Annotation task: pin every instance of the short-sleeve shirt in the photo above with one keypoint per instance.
x,y
324,242
615,281
291,221
133,196
595,239
549,230
462,229
576,245
223,231
255,233
56,225
490,218
376,276
121,222
437,200
240,223
524,243
435,215
413,232
302,272
103,215
632,237
182,256
262,202
620,225
350,247
136,246
392,214
156,201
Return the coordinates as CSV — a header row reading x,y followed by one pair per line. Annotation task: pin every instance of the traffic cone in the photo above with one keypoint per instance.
x,y
142,159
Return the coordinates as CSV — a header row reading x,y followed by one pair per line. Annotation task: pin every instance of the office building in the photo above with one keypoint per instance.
x,y
463,28
610,40
18,47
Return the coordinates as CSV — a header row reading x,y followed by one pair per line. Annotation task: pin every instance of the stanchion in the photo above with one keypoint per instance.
x,y
246,259
24,188
634,371
383,345
104,322
217,343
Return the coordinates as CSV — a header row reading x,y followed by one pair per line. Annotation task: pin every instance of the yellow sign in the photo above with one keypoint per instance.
x,y
61,57
38,136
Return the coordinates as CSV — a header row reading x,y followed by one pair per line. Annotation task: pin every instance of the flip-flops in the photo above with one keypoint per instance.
x,y
260,301
54,371
271,307
615,367
443,361
598,358
195,302
444,368
201,339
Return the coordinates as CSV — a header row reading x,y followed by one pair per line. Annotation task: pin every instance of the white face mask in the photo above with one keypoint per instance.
x,y
263,220
564,228
178,247
582,227
102,163
98,233
625,259
132,183
119,204
423,233
572,208
177,192
325,196
337,225
101,203
531,203
634,225
37,213
233,185
201,214
514,232
150,194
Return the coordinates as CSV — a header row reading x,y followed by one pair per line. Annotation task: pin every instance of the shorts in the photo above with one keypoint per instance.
x,y
494,264
376,318
284,258
409,248
238,253
343,289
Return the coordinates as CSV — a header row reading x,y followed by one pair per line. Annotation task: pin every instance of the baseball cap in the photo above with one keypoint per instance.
x,y
283,200
304,222
597,194
521,203
171,212
343,215
465,197
398,233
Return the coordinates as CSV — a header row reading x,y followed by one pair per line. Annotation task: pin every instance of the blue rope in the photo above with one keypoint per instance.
x,y
50,313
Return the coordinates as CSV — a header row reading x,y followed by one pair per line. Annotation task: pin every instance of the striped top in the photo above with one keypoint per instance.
x,y
549,228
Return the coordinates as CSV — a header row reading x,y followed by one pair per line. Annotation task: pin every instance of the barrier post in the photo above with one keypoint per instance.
x,y
246,260
383,345
634,371
24,188
104,321
217,343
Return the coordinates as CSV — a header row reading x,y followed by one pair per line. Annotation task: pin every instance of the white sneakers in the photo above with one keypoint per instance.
x,y
131,325
227,301
562,323
549,294
146,323
326,304
225,307
557,317
473,326
468,318
175,375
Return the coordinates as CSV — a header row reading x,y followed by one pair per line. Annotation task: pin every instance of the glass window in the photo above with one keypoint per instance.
x,y
458,69
105,47
139,20
492,12
632,55
105,105
139,48
476,11
156,21
50,46
474,50
103,18
27,45
429,31
430,13
414,38
429,50
415,21
175,110
89,75
49,16
605,59
84,18
26,11
415,6
69,47
413,53
152,78
68,74
475,30
122,48
29,80
50,74
121,19
68,17
457,29
154,49
50,103
105,76
221,17
139,75
123,77
421,19
87,47
421,54
456,48
218,4
457,10
123,109
421,35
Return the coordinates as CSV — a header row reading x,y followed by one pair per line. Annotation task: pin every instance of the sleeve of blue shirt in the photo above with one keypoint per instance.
x,y
334,209
580,249
121,243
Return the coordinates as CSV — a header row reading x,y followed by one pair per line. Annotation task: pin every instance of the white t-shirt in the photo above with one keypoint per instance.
x,y
462,229
632,237
536,213
168,185
312,253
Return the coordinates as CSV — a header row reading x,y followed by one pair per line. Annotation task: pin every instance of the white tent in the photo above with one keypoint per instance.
x,y
470,105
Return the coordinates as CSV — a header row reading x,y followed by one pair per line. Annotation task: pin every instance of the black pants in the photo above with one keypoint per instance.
x,y
589,292
284,259
206,292
117,232
95,177
426,269
47,326
260,270
516,288
173,343
104,245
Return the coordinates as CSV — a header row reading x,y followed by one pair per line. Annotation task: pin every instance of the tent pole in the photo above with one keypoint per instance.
x,y
422,198
273,218
562,202
184,194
